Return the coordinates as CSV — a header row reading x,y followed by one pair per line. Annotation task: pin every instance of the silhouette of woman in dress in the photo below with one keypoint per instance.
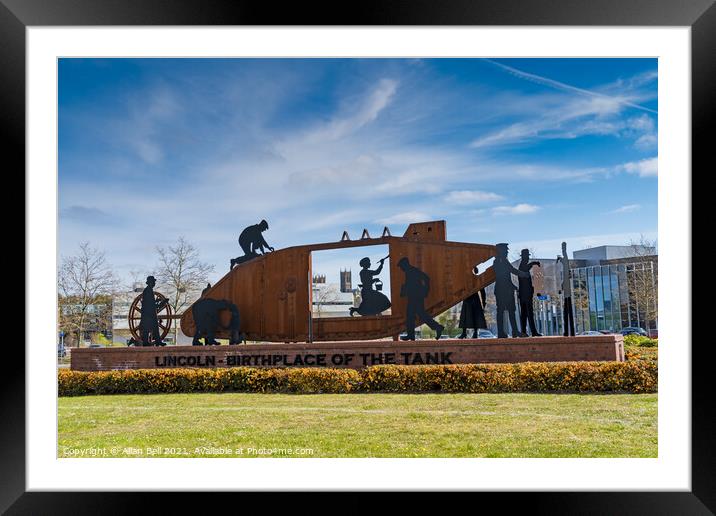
x,y
372,301
472,313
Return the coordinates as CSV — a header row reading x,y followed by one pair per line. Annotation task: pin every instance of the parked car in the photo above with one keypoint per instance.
x,y
633,330
591,333
485,334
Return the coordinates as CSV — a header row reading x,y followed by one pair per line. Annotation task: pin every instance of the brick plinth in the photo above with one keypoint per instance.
x,y
355,354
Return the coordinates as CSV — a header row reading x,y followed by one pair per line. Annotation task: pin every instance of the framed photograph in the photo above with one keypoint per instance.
x,y
293,192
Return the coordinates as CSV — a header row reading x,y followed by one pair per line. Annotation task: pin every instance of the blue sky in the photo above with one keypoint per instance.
x,y
526,151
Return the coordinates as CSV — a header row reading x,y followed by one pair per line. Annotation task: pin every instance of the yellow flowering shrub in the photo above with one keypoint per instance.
x,y
632,376
522,377
640,353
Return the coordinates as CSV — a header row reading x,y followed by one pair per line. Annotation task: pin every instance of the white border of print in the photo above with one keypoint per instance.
x,y
671,470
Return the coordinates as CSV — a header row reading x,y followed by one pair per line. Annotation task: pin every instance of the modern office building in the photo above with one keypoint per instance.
x,y
615,287
612,287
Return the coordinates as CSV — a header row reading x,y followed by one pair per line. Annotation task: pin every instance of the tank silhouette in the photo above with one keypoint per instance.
x,y
274,296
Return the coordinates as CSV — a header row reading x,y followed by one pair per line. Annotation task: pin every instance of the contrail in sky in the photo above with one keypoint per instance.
x,y
565,87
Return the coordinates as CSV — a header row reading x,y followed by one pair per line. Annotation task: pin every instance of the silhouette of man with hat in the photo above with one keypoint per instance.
x,y
416,288
526,291
149,322
505,290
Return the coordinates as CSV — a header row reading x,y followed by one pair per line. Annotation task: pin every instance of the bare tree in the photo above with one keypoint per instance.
x,y
643,282
136,281
83,281
182,275
323,296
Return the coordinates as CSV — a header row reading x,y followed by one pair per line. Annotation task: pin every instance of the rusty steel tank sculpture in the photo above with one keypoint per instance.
x,y
274,296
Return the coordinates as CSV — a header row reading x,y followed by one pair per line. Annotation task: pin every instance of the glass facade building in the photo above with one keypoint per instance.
x,y
612,296
605,297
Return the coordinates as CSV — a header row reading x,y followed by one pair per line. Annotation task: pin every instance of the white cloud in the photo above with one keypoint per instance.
x,y
471,197
643,128
142,128
631,83
569,119
643,123
421,179
367,112
338,219
627,208
149,152
566,120
85,214
517,209
646,141
407,217
644,168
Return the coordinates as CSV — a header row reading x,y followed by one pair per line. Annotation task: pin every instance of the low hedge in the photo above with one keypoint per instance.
x,y
641,353
631,376
640,341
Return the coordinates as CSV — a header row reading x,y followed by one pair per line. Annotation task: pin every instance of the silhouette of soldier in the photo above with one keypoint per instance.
x,y
567,314
416,288
472,312
372,301
149,322
505,290
526,291
206,289
251,240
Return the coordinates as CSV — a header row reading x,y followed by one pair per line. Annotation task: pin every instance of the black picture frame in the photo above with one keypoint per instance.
x,y
17,15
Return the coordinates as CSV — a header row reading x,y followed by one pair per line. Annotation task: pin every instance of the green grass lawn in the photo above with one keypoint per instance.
x,y
359,425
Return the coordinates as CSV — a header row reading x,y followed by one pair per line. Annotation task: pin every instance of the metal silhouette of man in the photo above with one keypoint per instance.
x,y
505,290
526,291
416,288
567,313
251,240
149,322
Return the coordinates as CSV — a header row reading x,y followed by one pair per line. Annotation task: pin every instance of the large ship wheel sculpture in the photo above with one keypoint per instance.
x,y
165,316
